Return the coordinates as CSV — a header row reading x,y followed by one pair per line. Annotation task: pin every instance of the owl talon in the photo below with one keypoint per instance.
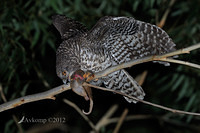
x,y
89,75
83,76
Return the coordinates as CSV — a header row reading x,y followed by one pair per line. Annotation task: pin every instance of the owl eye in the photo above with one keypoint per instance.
x,y
64,73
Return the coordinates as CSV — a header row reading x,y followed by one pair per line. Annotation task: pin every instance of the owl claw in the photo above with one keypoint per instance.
x,y
89,75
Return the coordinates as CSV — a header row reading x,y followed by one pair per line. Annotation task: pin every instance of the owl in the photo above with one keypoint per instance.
x,y
112,40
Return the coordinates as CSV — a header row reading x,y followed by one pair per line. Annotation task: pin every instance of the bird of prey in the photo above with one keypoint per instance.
x,y
113,40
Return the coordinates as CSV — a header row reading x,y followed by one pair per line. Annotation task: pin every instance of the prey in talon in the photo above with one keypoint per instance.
x,y
76,82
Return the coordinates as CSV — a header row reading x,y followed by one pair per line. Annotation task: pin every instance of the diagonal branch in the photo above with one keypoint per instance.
x,y
57,90
143,101
34,97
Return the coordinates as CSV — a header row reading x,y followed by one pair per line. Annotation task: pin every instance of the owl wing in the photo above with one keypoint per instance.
x,y
67,27
126,38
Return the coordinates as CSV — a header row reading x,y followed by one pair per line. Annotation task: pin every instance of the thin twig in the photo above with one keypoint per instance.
x,y
164,17
143,101
119,123
104,120
141,78
48,127
162,118
181,51
179,124
80,112
181,62
2,94
40,75
131,117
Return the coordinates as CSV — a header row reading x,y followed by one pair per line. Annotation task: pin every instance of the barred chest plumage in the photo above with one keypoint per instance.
x,y
94,58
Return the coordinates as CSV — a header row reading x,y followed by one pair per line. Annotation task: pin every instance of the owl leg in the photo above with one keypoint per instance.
x,y
89,75
84,76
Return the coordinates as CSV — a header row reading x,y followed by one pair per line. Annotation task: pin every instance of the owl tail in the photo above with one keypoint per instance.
x,y
123,82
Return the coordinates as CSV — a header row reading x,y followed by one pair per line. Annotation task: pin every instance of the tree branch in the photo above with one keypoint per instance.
x,y
34,97
57,90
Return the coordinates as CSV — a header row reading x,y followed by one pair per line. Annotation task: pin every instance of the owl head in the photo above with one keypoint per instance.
x,y
66,65
66,56
62,70
64,75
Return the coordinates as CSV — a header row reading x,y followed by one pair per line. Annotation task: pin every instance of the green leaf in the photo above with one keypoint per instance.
x,y
190,102
8,126
183,90
152,3
177,83
23,91
135,5
189,117
36,34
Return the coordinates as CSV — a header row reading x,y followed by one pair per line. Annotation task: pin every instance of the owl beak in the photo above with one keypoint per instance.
x,y
70,74
69,78
64,81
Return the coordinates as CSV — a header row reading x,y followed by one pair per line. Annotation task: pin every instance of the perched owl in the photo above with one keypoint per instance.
x,y
113,40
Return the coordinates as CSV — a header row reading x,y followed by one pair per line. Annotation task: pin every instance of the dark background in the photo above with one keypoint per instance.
x,y
28,42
